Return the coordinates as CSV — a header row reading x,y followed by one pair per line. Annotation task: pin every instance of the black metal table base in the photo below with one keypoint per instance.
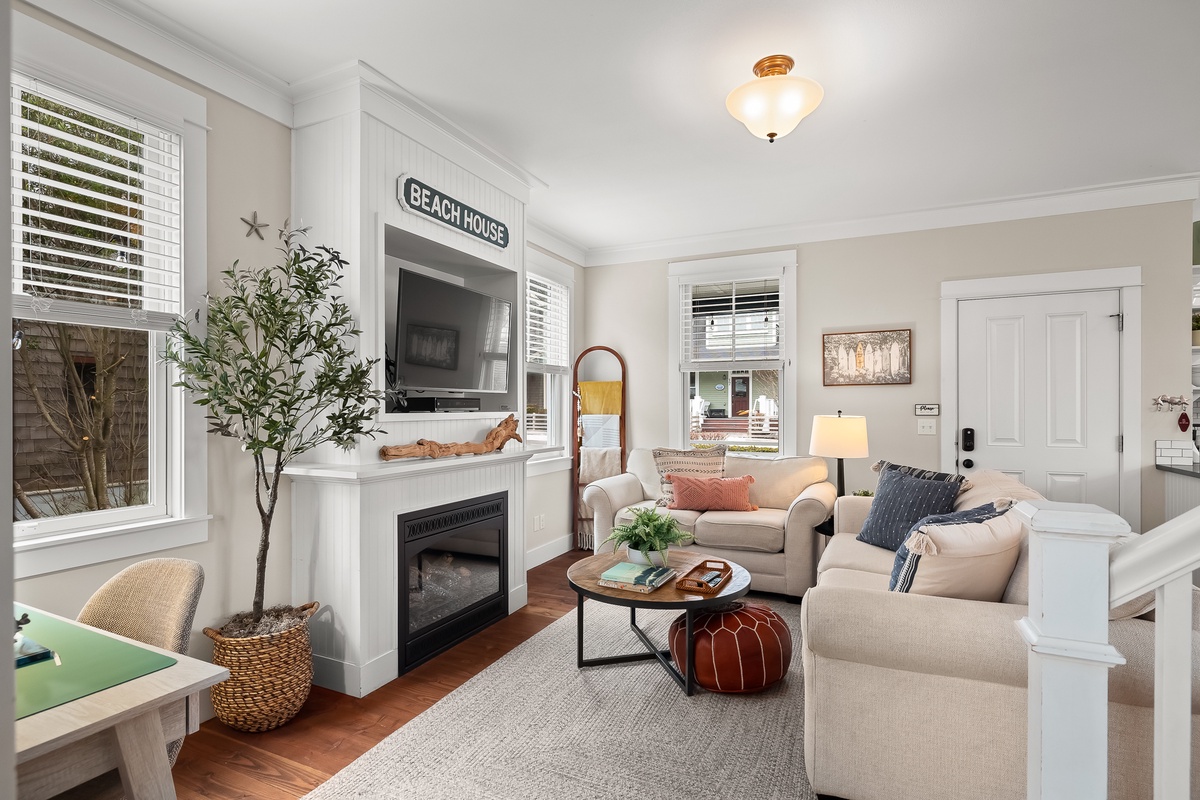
x,y
686,678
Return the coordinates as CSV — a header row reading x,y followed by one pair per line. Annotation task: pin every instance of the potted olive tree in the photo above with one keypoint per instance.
x,y
274,366
648,535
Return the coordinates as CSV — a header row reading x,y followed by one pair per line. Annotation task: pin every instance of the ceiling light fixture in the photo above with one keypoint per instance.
x,y
773,104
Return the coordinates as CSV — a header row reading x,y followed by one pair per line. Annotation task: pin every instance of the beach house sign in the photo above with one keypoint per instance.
x,y
421,198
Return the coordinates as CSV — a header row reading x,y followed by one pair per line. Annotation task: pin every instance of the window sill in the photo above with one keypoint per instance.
x,y
63,551
546,462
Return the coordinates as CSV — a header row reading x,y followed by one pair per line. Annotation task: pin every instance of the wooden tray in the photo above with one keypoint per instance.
x,y
691,582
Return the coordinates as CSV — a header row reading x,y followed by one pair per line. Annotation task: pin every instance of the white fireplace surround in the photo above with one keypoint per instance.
x,y
344,551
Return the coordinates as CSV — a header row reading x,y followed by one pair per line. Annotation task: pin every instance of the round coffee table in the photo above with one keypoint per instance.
x,y
582,575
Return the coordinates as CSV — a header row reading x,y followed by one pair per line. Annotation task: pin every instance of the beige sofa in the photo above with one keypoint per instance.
x,y
909,696
775,544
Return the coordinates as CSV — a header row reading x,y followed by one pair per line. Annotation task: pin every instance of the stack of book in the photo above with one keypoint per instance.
x,y
635,577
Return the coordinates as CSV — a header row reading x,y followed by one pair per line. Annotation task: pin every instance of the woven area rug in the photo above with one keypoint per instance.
x,y
535,727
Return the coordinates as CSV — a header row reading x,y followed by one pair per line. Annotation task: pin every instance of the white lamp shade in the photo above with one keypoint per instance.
x,y
773,105
838,437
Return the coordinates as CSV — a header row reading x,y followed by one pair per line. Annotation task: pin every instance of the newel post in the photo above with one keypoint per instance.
x,y
1069,653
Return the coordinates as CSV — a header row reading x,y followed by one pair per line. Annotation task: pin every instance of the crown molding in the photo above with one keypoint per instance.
x,y
552,241
146,33
1093,198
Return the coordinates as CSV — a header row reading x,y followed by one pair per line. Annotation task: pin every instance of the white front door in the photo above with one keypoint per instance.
x,y
1038,385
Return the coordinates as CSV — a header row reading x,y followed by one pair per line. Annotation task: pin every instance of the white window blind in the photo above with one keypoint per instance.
x,y
96,198
547,325
730,323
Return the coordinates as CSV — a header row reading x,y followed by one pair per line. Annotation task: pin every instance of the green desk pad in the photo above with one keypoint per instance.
x,y
89,662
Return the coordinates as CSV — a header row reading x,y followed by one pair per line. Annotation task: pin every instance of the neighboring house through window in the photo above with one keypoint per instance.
x,y
547,355
100,270
730,348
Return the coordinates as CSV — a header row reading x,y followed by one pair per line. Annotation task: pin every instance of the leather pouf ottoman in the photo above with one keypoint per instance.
x,y
741,647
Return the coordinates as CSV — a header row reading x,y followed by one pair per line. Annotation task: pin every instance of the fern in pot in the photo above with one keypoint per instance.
x,y
274,366
647,536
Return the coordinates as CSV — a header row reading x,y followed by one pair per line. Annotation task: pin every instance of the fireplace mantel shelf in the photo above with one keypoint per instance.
x,y
390,470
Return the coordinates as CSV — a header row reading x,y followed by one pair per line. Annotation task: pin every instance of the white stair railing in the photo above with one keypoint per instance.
x,y
1080,566
1162,561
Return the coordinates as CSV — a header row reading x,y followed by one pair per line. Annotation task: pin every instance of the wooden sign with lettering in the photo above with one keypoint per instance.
x,y
423,199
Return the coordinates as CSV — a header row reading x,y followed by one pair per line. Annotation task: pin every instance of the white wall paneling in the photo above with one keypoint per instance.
x,y
1182,494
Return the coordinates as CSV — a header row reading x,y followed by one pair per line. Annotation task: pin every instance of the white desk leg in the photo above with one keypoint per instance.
x,y
142,758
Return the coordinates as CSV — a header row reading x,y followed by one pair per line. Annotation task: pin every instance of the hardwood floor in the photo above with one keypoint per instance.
x,y
334,729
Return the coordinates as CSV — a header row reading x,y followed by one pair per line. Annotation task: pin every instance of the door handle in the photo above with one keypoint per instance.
x,y
967,443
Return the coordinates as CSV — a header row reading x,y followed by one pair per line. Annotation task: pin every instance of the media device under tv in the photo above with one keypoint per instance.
x,y
448,338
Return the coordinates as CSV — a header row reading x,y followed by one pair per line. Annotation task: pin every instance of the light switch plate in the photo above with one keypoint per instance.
x,y
927,427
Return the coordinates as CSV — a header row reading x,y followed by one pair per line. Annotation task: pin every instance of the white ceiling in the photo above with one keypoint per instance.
x,y
618,105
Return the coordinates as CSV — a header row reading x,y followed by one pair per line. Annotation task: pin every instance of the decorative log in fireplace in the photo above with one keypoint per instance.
x,y
453,574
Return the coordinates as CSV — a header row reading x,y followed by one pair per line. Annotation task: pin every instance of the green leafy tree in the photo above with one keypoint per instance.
x,y
276,369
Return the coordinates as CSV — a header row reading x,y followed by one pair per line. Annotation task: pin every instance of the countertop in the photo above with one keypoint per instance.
x,y
1192,472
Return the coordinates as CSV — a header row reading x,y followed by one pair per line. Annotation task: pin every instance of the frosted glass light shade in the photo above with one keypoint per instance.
x,y
838,437
773,105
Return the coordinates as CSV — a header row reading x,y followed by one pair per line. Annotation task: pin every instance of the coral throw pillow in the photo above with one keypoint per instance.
x,y
711,494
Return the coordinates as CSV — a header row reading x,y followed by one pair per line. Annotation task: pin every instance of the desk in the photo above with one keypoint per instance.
x,y
124,727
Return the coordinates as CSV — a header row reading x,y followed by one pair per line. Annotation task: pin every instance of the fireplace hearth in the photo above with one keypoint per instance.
x,y
453,574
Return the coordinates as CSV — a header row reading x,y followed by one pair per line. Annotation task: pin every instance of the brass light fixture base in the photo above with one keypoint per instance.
x,y
773,65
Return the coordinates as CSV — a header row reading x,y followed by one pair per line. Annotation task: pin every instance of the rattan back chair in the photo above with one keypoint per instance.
x,y
152,601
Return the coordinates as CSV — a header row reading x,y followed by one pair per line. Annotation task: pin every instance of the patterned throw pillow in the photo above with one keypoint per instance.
x,y
711,494
707,463
901,500
882,466
966,560
907,561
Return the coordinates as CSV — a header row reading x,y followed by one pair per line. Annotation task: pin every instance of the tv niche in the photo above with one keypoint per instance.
x,y
446,338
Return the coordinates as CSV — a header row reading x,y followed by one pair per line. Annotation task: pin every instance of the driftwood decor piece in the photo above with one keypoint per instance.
x,y
496,438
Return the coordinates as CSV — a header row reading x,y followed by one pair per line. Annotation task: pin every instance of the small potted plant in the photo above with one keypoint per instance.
x,y
1196,329
648,535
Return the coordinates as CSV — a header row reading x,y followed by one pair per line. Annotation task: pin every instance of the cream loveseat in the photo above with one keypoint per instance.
x,y
775,544
911,696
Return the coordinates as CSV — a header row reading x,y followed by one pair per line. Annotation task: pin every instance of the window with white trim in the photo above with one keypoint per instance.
x,y
96,280
547,361
109,459
731,356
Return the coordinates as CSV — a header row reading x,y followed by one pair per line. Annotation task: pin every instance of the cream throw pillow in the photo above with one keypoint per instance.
x,y
777,481
707,463
970,561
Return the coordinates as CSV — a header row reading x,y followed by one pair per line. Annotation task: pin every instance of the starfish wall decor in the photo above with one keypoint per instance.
x,y
255,226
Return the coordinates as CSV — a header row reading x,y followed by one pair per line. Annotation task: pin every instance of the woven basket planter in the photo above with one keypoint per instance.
x,y
269,676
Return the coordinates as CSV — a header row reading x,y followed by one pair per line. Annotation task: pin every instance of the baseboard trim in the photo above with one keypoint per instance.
x,y
543,553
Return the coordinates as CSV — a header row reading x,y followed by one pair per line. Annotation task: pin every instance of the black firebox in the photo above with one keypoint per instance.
x,y
453,574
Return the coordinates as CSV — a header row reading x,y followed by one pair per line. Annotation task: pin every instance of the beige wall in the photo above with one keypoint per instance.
x,y
249,162
893,281
548,495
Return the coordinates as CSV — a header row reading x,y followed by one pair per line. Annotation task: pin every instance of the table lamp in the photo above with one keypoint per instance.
x,y
839,437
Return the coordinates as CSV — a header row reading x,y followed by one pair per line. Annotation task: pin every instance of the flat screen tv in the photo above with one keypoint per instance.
x,y
448,337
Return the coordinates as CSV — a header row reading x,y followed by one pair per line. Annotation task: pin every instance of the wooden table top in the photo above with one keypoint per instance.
x,y
582,576
50,729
